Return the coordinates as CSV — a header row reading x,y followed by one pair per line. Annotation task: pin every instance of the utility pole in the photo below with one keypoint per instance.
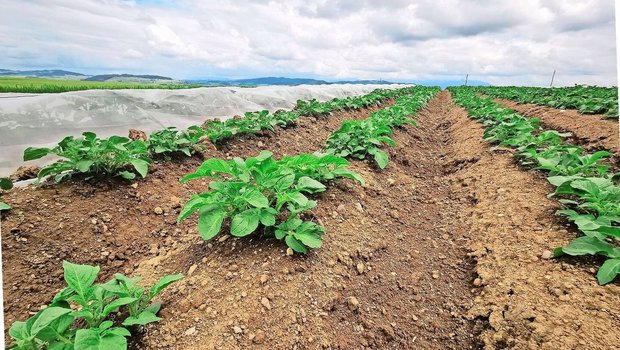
x,y
552,77
466,77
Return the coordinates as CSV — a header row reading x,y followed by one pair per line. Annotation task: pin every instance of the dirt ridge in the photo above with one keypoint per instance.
x,y
531,302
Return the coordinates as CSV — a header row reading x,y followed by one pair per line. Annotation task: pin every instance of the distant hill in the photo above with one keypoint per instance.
x,y
445,83
45,73
282,81
107,77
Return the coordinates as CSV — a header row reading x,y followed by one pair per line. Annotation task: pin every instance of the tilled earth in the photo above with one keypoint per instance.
x,y
442,249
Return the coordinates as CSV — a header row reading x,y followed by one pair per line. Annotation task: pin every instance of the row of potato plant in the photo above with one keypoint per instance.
x,y
86,315
362,138
586,99
585,185
121,156
269,196
253,122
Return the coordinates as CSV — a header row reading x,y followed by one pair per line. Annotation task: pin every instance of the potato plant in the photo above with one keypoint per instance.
x,y
79,316
170,140
313,108
359,138
114,156
264,192
584,184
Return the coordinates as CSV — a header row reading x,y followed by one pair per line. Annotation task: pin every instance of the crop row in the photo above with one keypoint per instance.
x,y
268,196
584,184
586,99
121,156
361,138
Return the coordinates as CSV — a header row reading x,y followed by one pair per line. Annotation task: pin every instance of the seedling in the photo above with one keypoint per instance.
x,y
113,156
170,140
258,191
86,306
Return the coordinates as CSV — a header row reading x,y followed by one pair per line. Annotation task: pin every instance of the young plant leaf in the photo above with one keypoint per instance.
x,y
295,244
32,153
244,223
80,277
5,184
608,271
162,283
145,317
210,223
381,158
4,206
141,166
47,316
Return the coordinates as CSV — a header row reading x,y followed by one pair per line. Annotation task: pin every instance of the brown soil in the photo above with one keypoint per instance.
x,y
590,130
113,223
444,239
531,302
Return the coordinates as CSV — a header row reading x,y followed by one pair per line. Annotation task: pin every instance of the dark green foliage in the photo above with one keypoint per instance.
x,y
264,192
78,316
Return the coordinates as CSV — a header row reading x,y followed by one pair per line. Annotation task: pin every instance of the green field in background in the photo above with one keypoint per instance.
x,y
40,85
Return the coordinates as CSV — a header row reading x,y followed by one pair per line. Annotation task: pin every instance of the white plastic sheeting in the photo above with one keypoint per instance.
x,y
42,120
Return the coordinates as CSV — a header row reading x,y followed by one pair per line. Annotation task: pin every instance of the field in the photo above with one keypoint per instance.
x,y
42,85
416,218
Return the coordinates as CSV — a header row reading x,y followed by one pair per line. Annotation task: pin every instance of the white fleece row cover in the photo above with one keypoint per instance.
x,y
42,120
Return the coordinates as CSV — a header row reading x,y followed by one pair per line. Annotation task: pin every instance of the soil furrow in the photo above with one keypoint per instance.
x,y
117,224
591,130
531,302
393,272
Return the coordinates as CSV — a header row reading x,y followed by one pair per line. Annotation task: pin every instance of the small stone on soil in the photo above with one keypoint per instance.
x,y
158,210
190,331
360,267
546,255
353,303
359,207
259,337
265,302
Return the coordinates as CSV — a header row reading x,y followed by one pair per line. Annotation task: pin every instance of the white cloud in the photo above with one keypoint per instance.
x,y
502,42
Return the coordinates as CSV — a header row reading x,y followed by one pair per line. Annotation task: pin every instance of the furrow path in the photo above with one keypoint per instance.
x,y
393,272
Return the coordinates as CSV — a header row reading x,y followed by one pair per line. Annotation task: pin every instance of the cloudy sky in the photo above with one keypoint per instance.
x,y
502,42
